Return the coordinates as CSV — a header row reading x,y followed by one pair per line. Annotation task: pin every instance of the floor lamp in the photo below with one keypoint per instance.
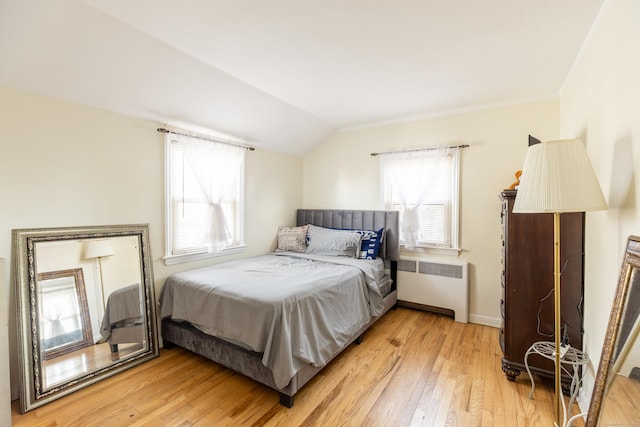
x,y
557,177
99,249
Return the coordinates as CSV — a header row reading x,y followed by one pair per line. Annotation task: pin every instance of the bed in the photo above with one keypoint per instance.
x,y
281,317
122,322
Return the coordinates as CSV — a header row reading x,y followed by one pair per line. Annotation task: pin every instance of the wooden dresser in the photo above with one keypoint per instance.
x,y
527,285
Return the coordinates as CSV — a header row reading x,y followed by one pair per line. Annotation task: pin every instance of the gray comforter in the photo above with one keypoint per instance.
x,y
123,307
295,309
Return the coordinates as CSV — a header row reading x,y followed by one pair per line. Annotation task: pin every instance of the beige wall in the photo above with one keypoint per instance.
x,y
68,165
601,104
340,173
5,391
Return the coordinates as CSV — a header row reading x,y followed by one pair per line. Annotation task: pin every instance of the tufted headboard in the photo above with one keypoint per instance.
x,y
358,220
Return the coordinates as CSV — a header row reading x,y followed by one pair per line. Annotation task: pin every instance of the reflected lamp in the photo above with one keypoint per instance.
x,y
98,249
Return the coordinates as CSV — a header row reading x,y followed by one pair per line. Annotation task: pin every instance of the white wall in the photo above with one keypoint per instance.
x,y
69,165
601,104
340,173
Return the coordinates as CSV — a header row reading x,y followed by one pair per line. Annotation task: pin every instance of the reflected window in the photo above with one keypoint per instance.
x,y
63,313
60,323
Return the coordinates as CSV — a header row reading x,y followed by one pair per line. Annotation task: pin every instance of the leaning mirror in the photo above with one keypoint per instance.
x,y
616,391
86,307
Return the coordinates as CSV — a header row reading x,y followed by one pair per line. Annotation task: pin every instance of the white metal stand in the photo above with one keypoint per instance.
x,y
573,357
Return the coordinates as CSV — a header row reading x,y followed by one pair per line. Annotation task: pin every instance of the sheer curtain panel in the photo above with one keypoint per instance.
x,y
218,169
412,178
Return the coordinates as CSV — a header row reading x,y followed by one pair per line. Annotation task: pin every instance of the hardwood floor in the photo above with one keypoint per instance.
x,y
619,407
413,368
79,362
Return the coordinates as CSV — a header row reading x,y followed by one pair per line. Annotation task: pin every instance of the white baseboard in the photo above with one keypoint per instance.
x,y
485,320
588,382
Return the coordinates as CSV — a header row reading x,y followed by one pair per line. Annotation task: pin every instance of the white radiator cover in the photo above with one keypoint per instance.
x,y
436,283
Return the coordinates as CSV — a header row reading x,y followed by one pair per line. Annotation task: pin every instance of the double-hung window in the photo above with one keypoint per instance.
x,y
423,185
204,198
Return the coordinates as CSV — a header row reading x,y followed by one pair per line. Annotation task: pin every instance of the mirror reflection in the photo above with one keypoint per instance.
x,y
623,388
76,313
63,312
617,386
86,307
629,319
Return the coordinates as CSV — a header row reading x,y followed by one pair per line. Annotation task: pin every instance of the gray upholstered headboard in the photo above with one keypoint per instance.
x,y
358,220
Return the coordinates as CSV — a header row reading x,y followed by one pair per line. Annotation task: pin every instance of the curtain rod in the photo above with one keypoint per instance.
x,y
221,141
414,150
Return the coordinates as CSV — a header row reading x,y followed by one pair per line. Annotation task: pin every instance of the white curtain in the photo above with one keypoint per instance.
x,y
412,176
60,312
215,166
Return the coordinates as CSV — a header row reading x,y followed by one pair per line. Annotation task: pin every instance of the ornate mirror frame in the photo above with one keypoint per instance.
x,y
26,246
622,333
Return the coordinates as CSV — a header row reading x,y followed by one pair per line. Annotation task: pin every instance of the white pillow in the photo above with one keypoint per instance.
x,y
325,241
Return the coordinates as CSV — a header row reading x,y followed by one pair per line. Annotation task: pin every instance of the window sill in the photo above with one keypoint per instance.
x,y
425,250
177,259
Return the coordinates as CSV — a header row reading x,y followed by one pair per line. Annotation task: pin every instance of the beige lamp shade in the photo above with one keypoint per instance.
x,y
98,249
557,176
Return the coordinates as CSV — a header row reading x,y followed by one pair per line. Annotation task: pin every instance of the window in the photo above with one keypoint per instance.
x,y
423,186
204,198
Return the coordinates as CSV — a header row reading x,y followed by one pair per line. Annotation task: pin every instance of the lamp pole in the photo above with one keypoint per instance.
x,y
104,303
557,315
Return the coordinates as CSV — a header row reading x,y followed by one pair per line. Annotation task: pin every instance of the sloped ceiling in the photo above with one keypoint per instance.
x,y
286,74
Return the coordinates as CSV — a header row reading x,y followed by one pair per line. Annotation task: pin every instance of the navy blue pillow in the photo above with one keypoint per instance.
x,y
371,243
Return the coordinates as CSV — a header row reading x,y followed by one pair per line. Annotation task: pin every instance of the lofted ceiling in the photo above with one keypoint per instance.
x,y
286,74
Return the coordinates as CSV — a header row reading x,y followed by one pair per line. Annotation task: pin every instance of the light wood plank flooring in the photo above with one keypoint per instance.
x,y
412,369
79,362
620,405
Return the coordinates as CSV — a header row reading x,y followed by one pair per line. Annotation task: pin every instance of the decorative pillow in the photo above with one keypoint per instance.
x,y
292,239
327,241
371,243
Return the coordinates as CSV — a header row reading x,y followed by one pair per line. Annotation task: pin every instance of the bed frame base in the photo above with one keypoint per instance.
x,y
245,362
286,400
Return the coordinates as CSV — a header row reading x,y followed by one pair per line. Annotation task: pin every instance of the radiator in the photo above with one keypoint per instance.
x,y
437,285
